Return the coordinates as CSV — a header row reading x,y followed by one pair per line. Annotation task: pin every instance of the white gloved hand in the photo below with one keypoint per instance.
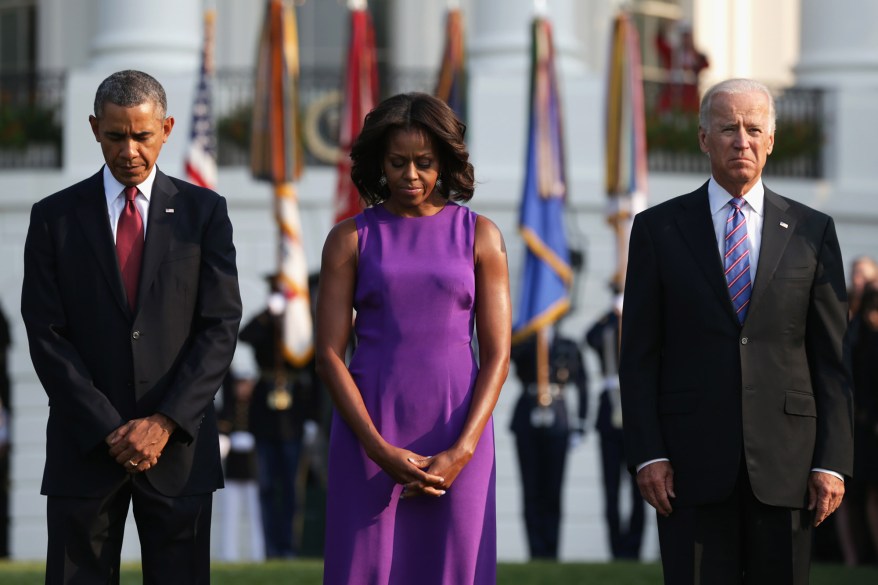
x,y
309,432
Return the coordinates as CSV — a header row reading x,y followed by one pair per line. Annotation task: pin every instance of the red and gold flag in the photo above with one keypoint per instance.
x,y
277,156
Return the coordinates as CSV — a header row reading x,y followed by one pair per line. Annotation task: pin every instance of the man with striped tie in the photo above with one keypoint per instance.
x,y
736,394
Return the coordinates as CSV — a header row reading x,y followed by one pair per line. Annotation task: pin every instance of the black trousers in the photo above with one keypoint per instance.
x,y
85,536
542,455
626,535
737,541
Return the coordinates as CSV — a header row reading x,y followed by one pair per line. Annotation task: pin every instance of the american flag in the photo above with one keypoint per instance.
x,y
201,155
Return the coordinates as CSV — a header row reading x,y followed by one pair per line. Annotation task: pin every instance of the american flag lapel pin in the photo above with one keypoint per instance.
x,y
784,225
171,210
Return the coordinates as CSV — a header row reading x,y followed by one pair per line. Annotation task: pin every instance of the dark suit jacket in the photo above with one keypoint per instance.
x,y
102,365
700,389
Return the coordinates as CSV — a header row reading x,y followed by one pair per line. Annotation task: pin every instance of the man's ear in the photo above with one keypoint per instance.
x,y
167,126
702,139
93,122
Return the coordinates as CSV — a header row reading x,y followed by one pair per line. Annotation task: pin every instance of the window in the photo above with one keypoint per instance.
x,y
17,36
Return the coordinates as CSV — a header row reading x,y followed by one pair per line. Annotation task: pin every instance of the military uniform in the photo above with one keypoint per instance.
x,y
283,398
625,538
542,435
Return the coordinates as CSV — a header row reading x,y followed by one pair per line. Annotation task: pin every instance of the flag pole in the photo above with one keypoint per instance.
x,y
451,84
547,274
200,160
359,96
276,156
626,170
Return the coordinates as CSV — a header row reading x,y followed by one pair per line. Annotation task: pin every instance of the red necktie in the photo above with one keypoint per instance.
x,y
129,245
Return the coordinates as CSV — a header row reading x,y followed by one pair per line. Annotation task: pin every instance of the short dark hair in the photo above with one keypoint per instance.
x,y
131,88
418,111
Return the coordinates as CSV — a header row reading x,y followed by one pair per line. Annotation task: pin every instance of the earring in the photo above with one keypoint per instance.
x,y
382,180
439,182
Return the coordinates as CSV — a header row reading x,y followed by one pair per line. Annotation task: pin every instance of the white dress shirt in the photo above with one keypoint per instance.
x,y
114,192
754,213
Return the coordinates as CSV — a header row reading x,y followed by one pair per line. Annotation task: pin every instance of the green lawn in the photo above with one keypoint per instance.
x,y
309,572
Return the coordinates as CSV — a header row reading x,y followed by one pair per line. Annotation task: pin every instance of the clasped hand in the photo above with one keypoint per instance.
x,y
423,475
138,444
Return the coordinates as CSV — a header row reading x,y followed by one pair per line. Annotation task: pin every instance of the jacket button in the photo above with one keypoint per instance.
x,y
744,341
135,335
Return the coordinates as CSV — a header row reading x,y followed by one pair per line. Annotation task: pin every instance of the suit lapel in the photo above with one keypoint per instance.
x,y
777,228
696,227
93,218
158,230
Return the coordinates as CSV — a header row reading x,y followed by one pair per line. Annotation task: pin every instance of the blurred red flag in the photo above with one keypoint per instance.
x,y
360,97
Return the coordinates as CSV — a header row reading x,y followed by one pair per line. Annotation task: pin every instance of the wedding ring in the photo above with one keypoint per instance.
x,y
133,463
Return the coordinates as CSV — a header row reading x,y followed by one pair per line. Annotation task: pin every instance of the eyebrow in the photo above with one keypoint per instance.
x,y
417,155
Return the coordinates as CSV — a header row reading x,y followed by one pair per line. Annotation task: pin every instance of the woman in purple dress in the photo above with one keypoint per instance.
x,y
411,496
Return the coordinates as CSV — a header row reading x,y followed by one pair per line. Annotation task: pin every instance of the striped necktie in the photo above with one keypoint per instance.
x,y
736,260
129,245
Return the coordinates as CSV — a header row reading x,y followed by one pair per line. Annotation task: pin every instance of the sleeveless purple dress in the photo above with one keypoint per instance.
x,y
415,368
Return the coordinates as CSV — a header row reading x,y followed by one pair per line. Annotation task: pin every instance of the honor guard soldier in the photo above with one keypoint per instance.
x,y
543,434
625,537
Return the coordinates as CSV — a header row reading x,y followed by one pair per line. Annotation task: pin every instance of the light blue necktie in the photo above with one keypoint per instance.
x,y
736,260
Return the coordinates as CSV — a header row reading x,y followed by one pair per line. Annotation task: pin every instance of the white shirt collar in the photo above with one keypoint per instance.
x,y
113,188
718,197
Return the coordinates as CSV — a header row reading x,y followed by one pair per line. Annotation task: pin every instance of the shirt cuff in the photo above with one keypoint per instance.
x,y
838,475
650,462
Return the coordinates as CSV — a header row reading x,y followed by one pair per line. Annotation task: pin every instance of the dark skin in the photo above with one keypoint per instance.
x,y
138,444
131,139
412,168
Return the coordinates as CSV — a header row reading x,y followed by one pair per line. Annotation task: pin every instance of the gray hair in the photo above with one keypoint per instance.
x,y
732,87
131,88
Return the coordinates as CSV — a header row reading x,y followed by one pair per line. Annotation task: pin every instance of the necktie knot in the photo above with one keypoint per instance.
x,y
130,193
737,203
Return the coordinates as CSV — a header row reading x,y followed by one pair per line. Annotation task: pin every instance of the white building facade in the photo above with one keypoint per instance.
x,y
784,43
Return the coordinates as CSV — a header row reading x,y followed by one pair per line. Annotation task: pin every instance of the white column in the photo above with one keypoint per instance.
x,y
839,53
500,33
838,43
498,40
162,38
158,35
417,34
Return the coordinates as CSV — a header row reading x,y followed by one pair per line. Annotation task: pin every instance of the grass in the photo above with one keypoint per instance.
x,y
310,572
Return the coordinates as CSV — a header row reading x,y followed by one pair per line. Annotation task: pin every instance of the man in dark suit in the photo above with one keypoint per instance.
x,y
736,391
131,305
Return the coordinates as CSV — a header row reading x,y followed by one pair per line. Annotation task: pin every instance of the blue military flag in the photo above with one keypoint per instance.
x,y
547,275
